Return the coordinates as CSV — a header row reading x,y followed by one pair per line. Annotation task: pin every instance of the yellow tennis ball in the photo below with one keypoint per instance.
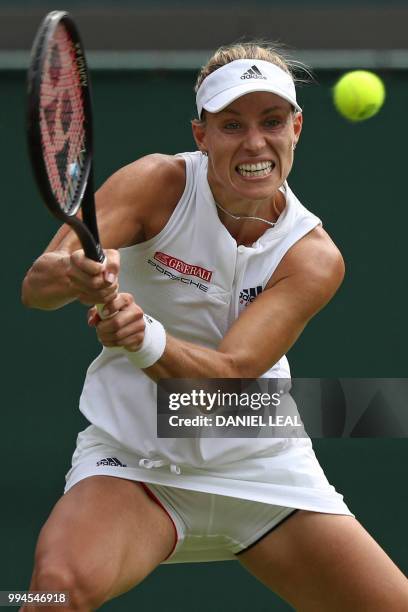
x,y
359,95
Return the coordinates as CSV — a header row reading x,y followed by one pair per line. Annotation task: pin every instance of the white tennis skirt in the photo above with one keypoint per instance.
x,y
197,499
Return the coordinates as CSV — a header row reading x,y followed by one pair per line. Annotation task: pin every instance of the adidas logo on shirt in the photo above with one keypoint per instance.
x,y
248,295
253,73
111,461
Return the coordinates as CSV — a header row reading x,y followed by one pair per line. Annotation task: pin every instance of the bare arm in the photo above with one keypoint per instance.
x,y
130,206
304,282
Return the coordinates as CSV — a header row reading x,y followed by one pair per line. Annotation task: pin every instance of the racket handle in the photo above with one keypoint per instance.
x,y
102,316
99,308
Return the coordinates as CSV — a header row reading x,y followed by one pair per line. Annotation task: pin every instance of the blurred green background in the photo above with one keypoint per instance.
x,y
352,176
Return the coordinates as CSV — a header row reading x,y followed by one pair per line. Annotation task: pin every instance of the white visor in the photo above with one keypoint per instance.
x,y
240,77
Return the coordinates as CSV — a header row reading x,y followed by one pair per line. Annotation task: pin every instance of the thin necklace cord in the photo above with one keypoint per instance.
x,y
238,218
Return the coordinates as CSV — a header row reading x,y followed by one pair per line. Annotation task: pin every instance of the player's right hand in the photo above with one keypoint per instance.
x,y
93,282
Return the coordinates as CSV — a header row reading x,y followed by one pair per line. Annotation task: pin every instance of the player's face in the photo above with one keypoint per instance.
x,y
250,146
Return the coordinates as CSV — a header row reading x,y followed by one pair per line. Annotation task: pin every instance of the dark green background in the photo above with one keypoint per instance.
x,y
165,4
353,176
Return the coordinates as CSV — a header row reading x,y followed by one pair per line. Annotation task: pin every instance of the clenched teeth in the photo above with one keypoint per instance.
x,y
259,169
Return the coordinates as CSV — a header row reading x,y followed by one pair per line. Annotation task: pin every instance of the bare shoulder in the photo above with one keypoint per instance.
x,y
140,198
314,260
147,176
134,204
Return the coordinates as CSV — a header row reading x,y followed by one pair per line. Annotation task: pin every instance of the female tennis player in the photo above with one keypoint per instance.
x,y
221,269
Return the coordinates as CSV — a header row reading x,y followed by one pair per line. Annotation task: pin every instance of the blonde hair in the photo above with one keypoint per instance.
x,y
256,50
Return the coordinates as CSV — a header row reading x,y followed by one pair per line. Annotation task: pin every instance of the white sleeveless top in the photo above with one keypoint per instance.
x,y
196,281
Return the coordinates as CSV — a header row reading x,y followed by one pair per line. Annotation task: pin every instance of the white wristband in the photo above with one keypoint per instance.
x,y
153,345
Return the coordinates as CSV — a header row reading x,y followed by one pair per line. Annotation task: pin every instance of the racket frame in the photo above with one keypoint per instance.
x,y
87,230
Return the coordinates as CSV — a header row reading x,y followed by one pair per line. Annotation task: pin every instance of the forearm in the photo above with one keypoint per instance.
x,y
46,285
186,360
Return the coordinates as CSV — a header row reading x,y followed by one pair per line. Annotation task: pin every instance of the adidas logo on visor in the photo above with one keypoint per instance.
x,y
253,73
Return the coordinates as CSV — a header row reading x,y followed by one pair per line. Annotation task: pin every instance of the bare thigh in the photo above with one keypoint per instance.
x,y
327,563
102,538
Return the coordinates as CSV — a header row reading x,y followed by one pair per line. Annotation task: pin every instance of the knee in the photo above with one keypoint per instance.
x,y
85,592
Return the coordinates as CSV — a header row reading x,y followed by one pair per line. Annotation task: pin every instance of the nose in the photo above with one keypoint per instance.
x,y
254,140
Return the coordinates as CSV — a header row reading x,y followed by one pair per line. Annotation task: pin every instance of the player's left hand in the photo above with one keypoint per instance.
x,y
124,326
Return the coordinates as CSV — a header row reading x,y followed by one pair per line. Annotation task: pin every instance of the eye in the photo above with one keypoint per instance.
x,y
273,122
232,125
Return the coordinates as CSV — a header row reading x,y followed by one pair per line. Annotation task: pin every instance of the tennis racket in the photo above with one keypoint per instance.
x,y
60,128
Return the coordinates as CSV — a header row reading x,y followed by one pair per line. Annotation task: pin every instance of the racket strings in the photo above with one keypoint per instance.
x,y
62,120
